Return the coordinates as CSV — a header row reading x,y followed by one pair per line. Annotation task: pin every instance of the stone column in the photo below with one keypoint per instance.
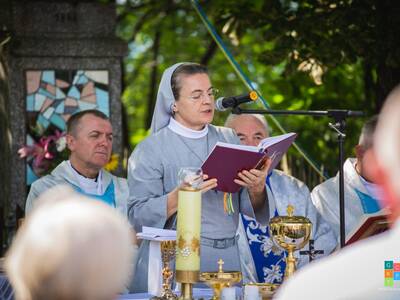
x,y
63,57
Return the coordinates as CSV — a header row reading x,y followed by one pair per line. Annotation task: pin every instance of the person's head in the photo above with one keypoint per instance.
x,y
250,128
70,247
193,94
386,151
365,144
89,139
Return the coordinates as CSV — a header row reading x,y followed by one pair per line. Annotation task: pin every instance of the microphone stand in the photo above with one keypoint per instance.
x,y
339,116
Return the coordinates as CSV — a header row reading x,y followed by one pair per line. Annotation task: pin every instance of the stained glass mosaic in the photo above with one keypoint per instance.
x,y
52,96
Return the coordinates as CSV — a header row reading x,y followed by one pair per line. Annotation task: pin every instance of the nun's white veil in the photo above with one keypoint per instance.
x,y
165,100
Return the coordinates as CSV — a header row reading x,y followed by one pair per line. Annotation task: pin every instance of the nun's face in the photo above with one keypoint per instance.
x,y
195,106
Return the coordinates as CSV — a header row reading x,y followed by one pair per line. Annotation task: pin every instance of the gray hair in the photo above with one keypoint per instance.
x,y
232,117
367,133
387,139
70,247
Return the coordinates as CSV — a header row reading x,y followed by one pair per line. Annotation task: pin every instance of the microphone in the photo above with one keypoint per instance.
x,y
223,103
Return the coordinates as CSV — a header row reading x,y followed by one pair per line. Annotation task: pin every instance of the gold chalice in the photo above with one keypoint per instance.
x,y
290,233
220,280
167,254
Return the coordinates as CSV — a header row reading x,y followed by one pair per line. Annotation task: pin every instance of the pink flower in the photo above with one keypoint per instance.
x,y
41,150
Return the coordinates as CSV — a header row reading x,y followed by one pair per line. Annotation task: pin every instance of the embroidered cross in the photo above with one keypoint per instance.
x,y
311,252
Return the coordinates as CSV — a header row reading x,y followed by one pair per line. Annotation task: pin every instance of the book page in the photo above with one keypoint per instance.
x,y
269,141
239,147
156,234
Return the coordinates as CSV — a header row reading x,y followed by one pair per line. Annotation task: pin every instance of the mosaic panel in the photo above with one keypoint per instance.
x,y
52,96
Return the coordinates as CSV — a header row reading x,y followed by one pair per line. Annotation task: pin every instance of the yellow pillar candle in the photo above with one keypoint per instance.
x,y
188,236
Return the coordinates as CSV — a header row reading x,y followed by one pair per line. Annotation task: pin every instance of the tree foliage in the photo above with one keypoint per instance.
x,y
300,54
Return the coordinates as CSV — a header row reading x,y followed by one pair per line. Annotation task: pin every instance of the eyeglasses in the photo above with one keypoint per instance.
x,y
197,95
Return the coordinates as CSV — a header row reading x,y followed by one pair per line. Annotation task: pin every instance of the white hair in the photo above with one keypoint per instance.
x,y
70,247
232,117
387,139
367,133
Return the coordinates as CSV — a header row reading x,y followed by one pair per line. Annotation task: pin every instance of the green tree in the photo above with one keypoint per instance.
x,y
300,54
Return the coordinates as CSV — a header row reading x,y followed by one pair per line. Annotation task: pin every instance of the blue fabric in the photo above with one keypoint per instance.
x,y
269,260
369,204
6,291
108,197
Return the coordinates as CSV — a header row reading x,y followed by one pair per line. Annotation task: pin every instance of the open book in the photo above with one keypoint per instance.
x,y
156,234
369,225
226,160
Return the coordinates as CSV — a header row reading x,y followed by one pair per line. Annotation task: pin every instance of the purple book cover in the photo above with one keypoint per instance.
x,y
227,160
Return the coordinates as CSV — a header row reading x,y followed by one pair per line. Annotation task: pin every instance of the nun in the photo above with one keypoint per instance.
x,y
182,136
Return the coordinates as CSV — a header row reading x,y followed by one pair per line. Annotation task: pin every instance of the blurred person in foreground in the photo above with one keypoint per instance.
x,y
261,260
89,140
364,270
72,248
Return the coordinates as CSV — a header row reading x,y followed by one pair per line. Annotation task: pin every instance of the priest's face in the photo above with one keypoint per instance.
x,y
195,106
249,129
91,143
363,162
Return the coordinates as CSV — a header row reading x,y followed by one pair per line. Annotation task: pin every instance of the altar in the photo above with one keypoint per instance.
x,y
198,293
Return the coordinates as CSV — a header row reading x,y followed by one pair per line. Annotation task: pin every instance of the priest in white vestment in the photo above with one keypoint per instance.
x,y
361,194
369,269
261,260
89,139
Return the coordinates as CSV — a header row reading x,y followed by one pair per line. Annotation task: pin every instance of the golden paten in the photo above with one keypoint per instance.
x,y
290,233
220,280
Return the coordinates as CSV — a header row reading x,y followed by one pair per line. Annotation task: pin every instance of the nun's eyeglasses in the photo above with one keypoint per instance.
x,y
210,94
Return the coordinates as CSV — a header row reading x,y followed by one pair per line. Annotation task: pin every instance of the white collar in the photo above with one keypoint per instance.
x,y
178,128
89,185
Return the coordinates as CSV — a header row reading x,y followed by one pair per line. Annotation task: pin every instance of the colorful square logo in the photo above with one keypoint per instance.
x,y
388,264
388,273
389,282
396,267
396,276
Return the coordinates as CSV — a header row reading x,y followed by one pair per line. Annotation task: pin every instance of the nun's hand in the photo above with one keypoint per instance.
x,y
254,179
208,184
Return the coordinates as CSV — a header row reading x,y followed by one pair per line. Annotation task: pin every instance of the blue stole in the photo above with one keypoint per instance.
x,y
269,259
369,204
108,197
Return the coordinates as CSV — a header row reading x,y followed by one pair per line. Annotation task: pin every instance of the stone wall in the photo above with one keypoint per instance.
x,y
55,36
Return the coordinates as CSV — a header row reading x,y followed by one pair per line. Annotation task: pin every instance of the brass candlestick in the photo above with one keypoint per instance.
x,y
167,254
290,233
220,280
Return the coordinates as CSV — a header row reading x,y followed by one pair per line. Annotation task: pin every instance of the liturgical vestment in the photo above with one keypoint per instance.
x,y
114,189
361,198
